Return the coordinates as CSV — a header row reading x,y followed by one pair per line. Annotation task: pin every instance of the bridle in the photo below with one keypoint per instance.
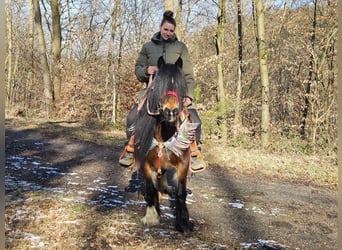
x,y
159,109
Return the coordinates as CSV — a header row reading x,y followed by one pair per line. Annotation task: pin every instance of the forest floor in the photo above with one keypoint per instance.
x,y
66,190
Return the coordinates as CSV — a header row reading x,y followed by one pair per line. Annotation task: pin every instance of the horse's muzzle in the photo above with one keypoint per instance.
x,y
170,115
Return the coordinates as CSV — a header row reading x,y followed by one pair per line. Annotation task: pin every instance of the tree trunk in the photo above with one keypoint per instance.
x,y
187,19
237,117
69,36
10,87
221,97
262,51
48,87
30,76
56,47
311,71
111,71
169,5
179,20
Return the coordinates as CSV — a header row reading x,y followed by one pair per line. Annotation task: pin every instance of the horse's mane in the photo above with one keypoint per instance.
x,y
169,77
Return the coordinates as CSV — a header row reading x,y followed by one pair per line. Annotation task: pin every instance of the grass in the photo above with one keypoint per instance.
x,y
318,170
287,157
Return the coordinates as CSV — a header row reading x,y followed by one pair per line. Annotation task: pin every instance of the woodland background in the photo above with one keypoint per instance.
x,y
265,70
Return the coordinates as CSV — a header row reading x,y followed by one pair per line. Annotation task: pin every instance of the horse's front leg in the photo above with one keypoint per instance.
x,y
152,216
183,223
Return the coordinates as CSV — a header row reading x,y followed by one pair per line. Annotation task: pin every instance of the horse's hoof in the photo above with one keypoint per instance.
x,y
151,218
185,228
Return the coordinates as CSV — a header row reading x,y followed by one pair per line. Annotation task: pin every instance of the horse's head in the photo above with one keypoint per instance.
x,y
170,106
168,91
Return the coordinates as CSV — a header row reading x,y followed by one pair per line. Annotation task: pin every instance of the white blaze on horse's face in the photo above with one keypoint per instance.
x,y
170,108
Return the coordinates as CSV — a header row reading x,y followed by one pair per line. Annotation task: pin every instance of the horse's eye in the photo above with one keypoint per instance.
x,y
175,112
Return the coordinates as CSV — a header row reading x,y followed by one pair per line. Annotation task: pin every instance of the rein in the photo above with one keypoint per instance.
x,y
142,101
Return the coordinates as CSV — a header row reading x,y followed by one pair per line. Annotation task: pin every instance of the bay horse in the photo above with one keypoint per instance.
x,y
162,144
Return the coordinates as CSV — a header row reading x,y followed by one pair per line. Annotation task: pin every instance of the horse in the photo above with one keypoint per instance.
x,y
162,144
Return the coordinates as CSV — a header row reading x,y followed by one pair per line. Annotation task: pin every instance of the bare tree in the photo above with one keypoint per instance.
x,y
237,116
311,72
90,31
179,20
10,87
69,30
56,47
48,87
30,76
169,5
263,52
112,67
219,42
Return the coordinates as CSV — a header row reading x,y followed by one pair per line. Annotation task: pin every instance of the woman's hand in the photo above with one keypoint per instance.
x,y
151,70
187,101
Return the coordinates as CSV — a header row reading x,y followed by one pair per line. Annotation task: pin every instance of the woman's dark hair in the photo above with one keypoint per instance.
x,y
168,17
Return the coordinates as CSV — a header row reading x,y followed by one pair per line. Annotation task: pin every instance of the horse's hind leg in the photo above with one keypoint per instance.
x,y
152,216
183,223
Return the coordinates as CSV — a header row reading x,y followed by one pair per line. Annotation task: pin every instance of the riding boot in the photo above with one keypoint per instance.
x,y
197,161
126,158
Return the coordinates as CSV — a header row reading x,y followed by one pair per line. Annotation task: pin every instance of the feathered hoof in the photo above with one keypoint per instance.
x,y
151,218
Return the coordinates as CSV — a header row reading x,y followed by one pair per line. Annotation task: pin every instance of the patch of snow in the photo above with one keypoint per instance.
x,y
168,215
69,222
164,233
73,183
246,245
205,196
267,244
238,204
277,212
57,190
16,158
72,174
34,238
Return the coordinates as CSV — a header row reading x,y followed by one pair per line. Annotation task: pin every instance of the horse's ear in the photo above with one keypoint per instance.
x,y
161,62
179,62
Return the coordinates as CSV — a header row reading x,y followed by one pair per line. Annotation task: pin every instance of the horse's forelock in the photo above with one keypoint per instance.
x,y
169,77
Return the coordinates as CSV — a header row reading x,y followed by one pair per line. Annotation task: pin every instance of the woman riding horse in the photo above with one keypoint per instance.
x,y
165,43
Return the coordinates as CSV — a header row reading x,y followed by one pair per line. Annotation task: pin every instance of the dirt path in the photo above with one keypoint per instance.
x,y
67,193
